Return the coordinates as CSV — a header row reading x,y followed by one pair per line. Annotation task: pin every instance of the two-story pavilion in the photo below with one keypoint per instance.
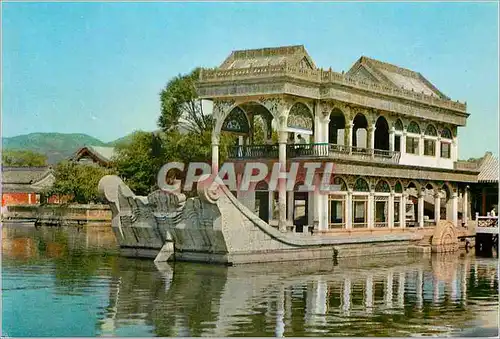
x,y
391,134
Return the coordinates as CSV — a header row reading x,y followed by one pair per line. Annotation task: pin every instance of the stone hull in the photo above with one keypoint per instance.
x,y
217,228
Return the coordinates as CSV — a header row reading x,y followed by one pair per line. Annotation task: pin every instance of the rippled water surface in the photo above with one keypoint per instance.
x,y
71,282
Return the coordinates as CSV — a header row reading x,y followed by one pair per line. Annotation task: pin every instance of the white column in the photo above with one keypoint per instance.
x,y
392,135
290,205
390,210
465,207
371,139
437,207
282,182
317,129
401,289
420,283
403,142
454,287
370,214
348,209
348,135
454,208
369,293
388,291
402,210
454,149
463,281
421,144
421,209
279,329
346,297
326,132
215,157
270,204
438,148
310,208
435,294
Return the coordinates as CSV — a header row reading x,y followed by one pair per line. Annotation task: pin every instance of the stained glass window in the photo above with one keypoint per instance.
x,y
413,128
446,133
361,185
236,122
399,125
382,186
398,188
300,117
431,130
341,182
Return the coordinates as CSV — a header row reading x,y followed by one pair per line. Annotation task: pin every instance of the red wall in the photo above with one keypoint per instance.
x,y
16,198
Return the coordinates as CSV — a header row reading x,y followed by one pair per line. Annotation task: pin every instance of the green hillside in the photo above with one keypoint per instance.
x,y
56,146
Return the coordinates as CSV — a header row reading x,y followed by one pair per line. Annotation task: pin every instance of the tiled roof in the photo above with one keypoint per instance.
x,y
393,75
106,153
267,56
488,168
23,175
101,153
26,179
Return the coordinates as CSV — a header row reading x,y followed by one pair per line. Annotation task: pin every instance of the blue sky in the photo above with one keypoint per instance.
x,y
97,68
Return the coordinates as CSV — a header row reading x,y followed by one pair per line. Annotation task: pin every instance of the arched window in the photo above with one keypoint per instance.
x,y
412,142
236,122
430,144
430,131
398,188
398,126
361,185
382,186
413,128
339,181
446,133
300,117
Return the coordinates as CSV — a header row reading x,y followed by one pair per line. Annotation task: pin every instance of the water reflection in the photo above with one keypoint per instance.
x,y
387,296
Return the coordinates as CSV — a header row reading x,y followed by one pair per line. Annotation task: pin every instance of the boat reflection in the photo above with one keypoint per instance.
x,y
413,294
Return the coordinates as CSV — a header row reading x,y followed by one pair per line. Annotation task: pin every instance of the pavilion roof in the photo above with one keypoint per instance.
x,y
388,74
100,153
292,55
488,168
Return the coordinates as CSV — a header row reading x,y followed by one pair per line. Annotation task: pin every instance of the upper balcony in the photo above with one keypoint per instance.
x,y
314,150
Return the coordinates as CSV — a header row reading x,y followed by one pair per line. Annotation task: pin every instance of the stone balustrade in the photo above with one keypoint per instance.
x,y
324,77
466,166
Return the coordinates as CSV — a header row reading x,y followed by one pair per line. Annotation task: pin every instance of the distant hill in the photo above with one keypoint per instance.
x,y
56,146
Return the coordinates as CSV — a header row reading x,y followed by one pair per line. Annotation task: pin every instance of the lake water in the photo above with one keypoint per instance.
x,y
71,282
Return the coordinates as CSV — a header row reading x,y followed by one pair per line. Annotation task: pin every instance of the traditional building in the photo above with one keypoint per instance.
x,y
97,155
25,185
390,132
485,192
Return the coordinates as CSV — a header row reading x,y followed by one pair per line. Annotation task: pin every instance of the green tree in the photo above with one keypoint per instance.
x,y
186,125
138,161
181,107
18,158
78,181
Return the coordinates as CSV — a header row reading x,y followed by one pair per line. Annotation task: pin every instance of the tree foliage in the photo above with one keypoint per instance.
x,y
181,108
139,160
18,158
78,181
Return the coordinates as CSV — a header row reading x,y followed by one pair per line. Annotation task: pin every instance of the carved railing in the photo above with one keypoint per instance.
x,y
487,221
466,166
312,151
253,152
326,77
